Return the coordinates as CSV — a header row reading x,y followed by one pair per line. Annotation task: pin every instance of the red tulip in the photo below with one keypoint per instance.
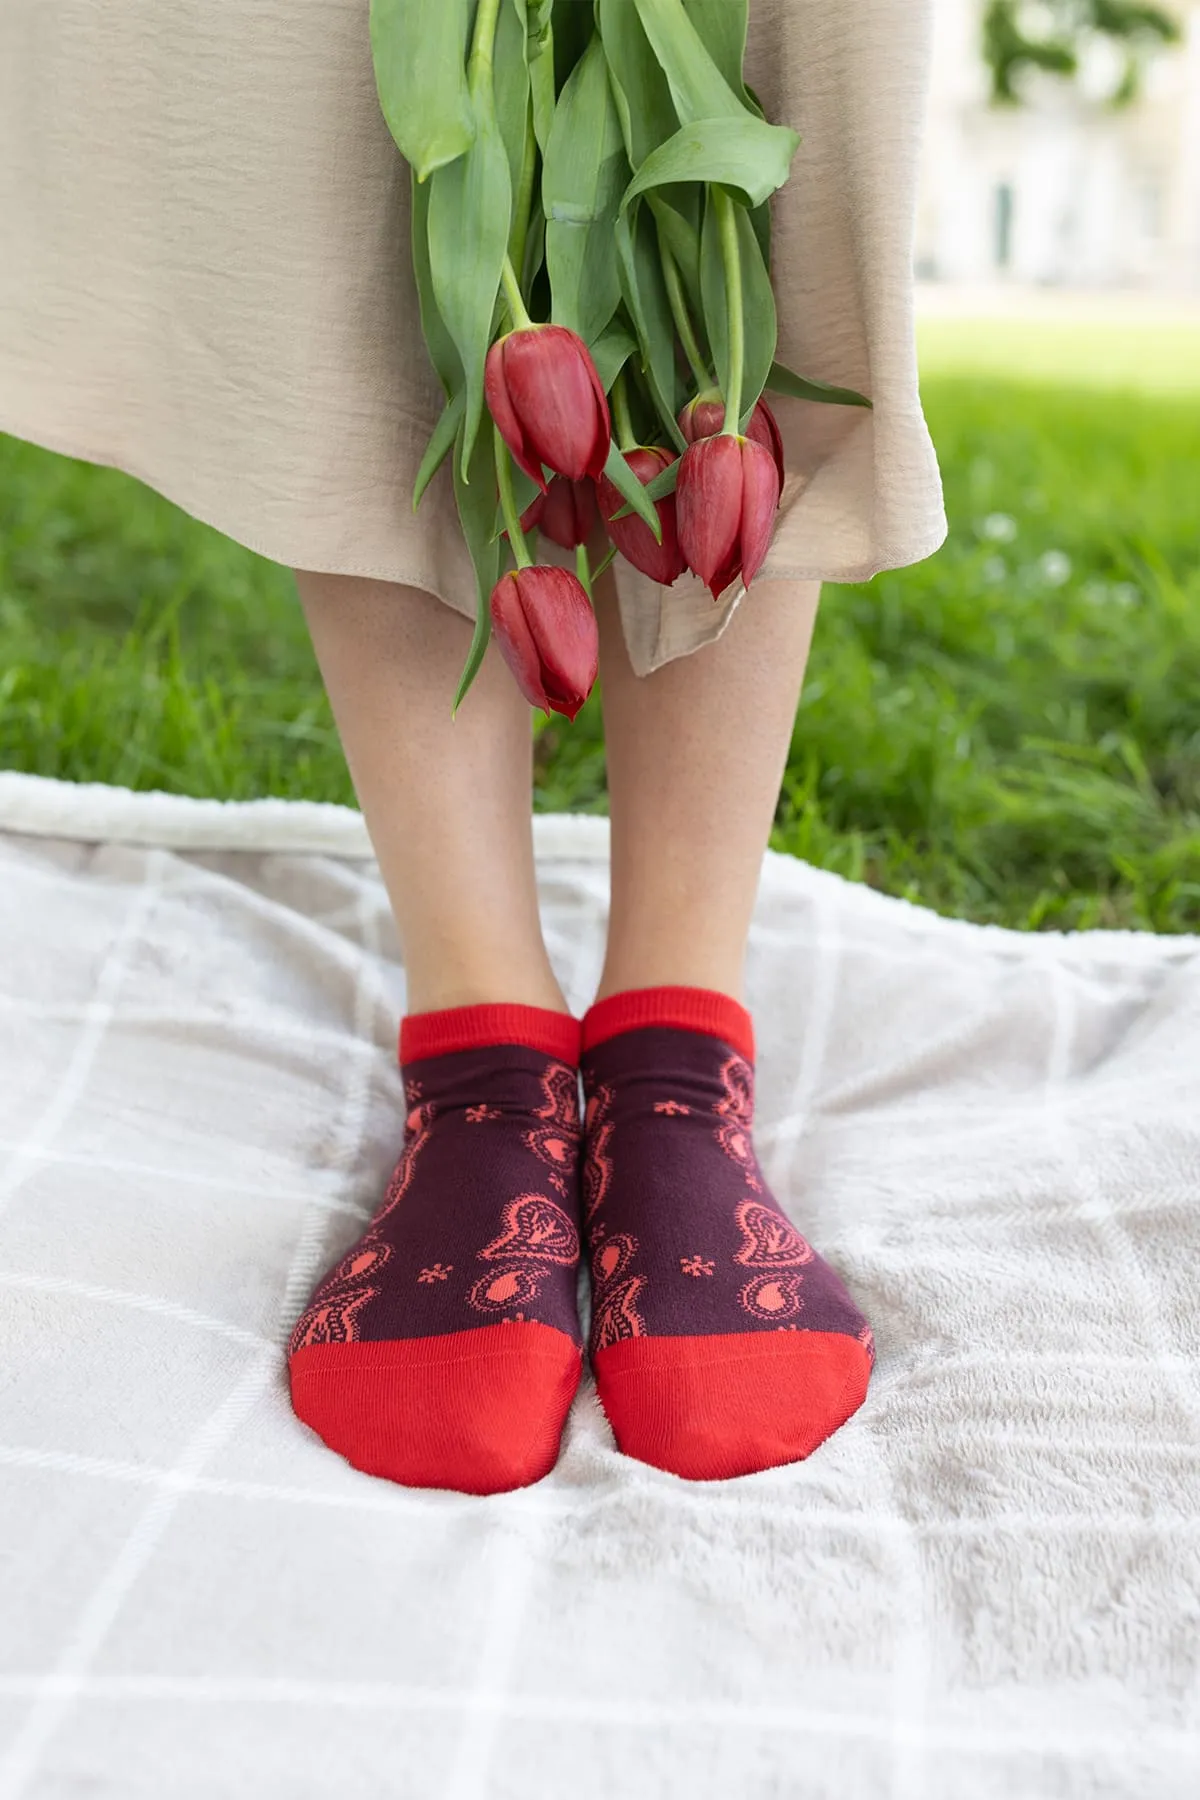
x,y
565,513
546,630
548,402
703,418
663,562
725,504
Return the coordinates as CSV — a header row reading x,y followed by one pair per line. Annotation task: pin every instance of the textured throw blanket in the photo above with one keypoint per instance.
x,y
986,1587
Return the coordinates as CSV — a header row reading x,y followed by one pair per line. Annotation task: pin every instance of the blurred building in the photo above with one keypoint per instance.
x,y
1066,190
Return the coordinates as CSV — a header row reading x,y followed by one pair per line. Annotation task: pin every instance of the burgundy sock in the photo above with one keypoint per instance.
x,y
443,1350
721,1342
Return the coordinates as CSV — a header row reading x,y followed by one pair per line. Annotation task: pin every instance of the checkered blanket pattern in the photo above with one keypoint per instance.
x,y
986,1587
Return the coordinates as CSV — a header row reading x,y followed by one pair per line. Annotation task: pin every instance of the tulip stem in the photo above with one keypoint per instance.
x,y
508,503
620,411
683,323
731,257
516,301
583,568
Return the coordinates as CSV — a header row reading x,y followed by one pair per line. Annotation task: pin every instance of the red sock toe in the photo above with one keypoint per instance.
x,y
443,1349
721,1342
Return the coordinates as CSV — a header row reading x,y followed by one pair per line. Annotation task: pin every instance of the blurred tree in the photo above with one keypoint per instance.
x,y
1052,34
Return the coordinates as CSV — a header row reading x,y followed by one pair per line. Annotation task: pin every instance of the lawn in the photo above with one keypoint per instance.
x,y
1009,732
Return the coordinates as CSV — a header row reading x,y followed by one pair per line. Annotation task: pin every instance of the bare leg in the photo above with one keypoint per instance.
x,y
447,801
722,1343
419,1357
696,754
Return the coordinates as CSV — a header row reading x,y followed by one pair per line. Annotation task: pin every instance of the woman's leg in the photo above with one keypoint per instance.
x,y
696,753
446,801
442,1350
721,1342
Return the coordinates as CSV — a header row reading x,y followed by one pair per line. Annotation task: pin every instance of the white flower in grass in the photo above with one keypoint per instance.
x,y
1054,567
998,528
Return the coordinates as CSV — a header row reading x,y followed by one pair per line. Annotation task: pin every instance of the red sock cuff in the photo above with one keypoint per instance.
x,y
680,1008
480,1027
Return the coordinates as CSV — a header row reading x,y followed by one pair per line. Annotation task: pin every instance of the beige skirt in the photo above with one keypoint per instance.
x,y
204,281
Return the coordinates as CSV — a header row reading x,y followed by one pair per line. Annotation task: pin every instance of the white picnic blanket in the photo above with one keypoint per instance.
x,y
986,1587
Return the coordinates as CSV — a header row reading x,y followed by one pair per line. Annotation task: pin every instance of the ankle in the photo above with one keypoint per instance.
x,y
711,974
445,985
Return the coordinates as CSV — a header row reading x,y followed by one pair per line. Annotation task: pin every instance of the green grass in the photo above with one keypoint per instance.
x,y
1009,732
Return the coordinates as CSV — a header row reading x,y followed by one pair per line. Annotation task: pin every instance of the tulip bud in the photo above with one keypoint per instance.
x,y
565,513
548,402
725,503
705,417
546,630
663,562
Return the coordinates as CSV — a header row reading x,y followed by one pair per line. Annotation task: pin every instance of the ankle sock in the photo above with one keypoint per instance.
x,y
443,1350
721,1342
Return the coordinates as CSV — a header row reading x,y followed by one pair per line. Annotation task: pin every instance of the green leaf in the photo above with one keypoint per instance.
x,y
758,307
439,445
781,380
743,154
439,343
645,297
628,485
420,72
475,492
643,98
611,351
511,85
682,240
721,26
582,182
539,51
470,210
698,88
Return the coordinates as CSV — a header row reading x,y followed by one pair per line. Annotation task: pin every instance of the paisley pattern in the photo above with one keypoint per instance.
x,y
616,1316
597,1163
556,1141
330,1315
612,1257
535,1226
772,1298
736,1110
507,1287
769,1241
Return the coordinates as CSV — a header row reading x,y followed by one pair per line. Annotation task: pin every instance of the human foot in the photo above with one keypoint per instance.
x,y
721,1342
443,1350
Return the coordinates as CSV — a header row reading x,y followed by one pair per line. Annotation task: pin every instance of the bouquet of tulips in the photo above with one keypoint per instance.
x,y
591,244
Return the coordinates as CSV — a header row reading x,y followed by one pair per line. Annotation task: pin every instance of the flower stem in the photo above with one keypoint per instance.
x,y
731,258
683,323
583,568
508,503
620,410
512,293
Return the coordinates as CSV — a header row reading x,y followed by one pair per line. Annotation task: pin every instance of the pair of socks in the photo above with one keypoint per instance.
x,y
443,1350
